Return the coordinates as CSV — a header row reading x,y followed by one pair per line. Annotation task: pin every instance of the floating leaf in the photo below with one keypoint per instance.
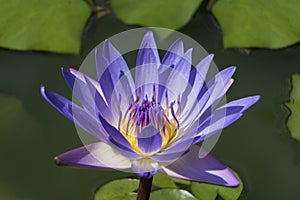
x,y
171,14
118,189
48,25
163,181
206,191
260,23
294,106
181,181
171,194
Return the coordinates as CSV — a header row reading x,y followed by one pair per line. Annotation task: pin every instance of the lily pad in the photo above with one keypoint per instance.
x,y
118,189
171,14
260,23
48,25
172,194
294,106
206,191
163,181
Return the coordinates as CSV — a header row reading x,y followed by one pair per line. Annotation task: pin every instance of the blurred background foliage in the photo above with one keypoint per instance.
x,y
62,33
55,25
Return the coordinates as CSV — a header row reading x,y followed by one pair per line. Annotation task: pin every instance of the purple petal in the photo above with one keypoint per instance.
x,y
245,102
145,167
116,136
97,155
224,116
207,169
91,94
81,91
209,95
191,113
118,141
212,123
173,152
197,78
148,53
100,103
175,79
149,140
74,113
60,103
221,80
84,77
210,128
111,67
146,72
171,58
173,55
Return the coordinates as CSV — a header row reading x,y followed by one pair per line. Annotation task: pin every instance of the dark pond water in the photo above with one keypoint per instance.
x,y
258,146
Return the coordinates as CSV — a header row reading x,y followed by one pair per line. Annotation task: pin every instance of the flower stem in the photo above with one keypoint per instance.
x,y
144,188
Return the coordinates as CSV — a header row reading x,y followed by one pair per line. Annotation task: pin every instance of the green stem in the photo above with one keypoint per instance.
x,y
144,188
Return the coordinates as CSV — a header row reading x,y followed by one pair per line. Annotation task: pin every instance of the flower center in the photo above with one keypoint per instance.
x,y
143,113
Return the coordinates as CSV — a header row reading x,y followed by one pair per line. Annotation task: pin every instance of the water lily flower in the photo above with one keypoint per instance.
x,y
154,122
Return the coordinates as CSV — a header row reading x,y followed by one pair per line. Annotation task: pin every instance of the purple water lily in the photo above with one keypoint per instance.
x,y
154,122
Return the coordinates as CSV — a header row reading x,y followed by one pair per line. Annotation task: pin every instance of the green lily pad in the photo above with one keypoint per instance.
x,y
163,181
206,191
294,106
181,181
171,14
260,23
172,194
118,189
48,25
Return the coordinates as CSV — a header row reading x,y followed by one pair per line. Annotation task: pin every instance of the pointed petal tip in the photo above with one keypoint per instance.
x,y
189,52
97,54
69,69
72,71
234,183
254,99
149,33
251,101
233,68
179,42
106,44
177,47
230,69
257,97
148,41
57,161
210,56
108,48
96,51
60,162
43,91
63,70
227,175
